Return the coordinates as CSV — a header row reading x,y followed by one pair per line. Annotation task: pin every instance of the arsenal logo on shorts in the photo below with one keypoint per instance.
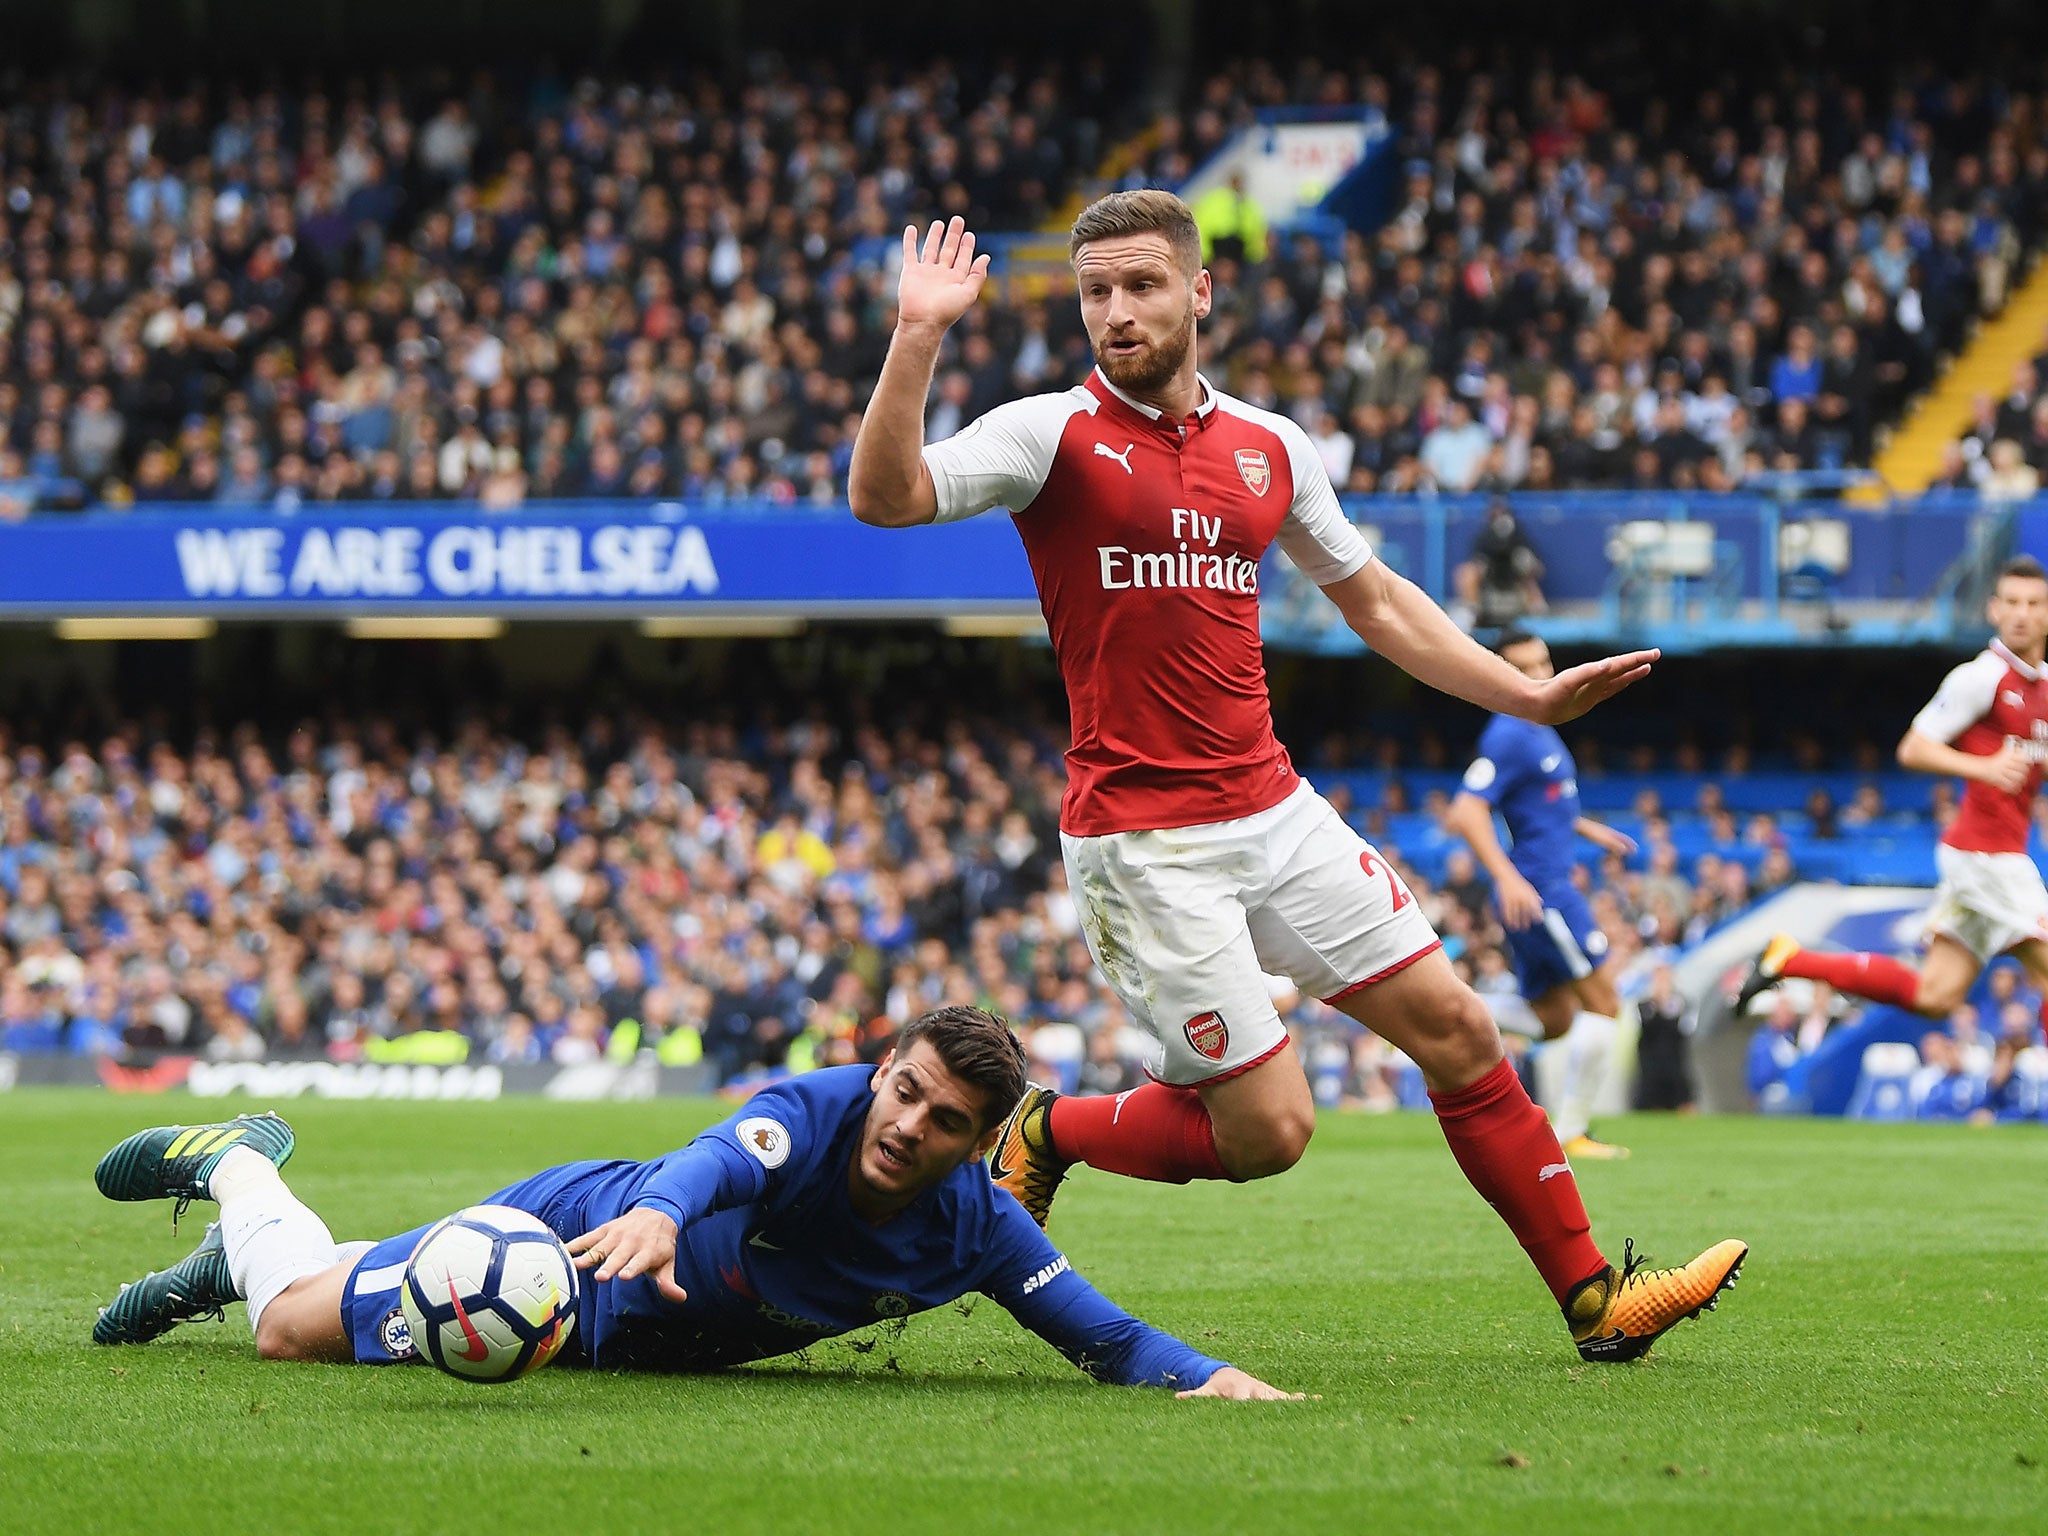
x,y
1257,473
1209,1035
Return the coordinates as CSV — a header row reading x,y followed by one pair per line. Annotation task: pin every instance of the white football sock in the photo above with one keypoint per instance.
x,y
1512,1015
1588,1050
272,1238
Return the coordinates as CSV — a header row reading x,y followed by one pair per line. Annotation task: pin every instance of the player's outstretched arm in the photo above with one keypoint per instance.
x,y
1396,618
888,484
641,1242
1033,1282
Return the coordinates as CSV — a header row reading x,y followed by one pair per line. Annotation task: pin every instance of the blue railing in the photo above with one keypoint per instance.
x,y
1687,570
1680,571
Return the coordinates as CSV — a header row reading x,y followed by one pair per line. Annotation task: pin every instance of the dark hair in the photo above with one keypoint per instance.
x,y
978,1048
1511,637
1150,211
2025,567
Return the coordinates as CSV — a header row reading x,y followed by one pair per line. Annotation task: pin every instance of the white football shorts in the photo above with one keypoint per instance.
x,y
1183,922
1988,902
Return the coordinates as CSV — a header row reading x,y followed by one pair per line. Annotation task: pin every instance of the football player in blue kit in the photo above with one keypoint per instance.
x,y
1525,772
831,1201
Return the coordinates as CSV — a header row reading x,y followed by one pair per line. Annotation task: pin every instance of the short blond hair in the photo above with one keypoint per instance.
x,y
1150,211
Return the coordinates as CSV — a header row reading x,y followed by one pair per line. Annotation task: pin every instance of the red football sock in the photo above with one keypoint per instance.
x,y
1155,1132
1507,1149
1877,977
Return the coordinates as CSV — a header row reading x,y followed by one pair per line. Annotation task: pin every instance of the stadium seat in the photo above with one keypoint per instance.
x,y
1813,556
2027,1098
1884,1090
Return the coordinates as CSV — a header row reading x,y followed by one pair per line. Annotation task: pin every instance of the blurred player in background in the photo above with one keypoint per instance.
x,y
1988,725
1526,773
1146,500
832,1201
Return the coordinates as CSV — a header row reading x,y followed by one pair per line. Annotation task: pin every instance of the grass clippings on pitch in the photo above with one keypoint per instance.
x,y
1882,1365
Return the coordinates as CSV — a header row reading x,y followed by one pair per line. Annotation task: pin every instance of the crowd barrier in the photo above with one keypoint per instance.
x,y
1706,569
639,1079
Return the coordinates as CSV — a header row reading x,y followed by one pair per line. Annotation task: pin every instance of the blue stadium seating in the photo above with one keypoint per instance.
x,y
1884,1089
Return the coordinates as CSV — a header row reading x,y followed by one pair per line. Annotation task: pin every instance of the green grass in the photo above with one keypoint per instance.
x,y
1882,1365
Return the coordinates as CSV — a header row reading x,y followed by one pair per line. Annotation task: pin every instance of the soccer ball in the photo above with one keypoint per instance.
x,y
489,1294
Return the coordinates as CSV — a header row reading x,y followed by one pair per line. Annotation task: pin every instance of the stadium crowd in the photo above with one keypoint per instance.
x,y
1973,1066
1567,297
776,897
401,289
2003,453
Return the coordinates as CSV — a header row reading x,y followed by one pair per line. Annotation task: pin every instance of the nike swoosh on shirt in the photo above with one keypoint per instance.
x,y
1551,762
758,1241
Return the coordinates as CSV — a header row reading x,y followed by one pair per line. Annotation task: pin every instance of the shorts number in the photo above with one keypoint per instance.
x,y
1373,866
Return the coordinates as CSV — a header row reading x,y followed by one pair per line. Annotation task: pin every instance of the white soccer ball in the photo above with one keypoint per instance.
x,y
490,1294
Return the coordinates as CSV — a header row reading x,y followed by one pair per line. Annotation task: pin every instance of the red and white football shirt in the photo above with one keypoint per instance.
x,y
1145,535
1989,700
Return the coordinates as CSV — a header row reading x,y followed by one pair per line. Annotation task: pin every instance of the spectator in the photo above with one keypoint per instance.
x,y
1500,583
1455,449
1664,1068
2011,477
1943,1089
1773,1050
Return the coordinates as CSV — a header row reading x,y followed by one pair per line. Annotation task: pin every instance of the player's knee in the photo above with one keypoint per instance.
x,y
1462,1043
1273,1146
275,1338
278,1337
1937,1000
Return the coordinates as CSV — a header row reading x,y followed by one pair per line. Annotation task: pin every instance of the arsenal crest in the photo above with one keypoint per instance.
x,y
1207,1032
1254,470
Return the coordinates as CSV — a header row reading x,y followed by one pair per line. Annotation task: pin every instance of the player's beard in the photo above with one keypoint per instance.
x,y
1155,366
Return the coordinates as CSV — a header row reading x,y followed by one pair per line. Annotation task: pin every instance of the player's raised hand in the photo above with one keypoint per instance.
x,y
1240,1387
1574,691
940,283
641,1242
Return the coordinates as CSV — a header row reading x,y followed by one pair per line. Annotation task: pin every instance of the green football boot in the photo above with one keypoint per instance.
x,y
173,1162
198,1285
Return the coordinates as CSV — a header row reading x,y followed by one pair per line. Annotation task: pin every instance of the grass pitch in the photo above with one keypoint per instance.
x,y
1882,1365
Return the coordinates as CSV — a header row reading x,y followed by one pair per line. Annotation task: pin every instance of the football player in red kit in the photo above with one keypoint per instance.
x,y
1988,725
1198,857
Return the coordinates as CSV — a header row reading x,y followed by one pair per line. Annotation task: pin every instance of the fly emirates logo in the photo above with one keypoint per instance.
x,y
2033,749
1192,563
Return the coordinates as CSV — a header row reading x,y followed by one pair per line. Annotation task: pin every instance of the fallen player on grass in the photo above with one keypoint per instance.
x,y
832,1201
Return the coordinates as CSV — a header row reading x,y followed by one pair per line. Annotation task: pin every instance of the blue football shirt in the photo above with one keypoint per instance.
x,y
1525,772
774,1258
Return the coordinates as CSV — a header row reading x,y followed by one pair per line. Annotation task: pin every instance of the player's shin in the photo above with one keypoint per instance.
x,y
1879,978
272,1238
1155,1132
1507,1149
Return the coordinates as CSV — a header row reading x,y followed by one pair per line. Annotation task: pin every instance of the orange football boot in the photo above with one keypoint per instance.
x,y
1023,1161
1618,1316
